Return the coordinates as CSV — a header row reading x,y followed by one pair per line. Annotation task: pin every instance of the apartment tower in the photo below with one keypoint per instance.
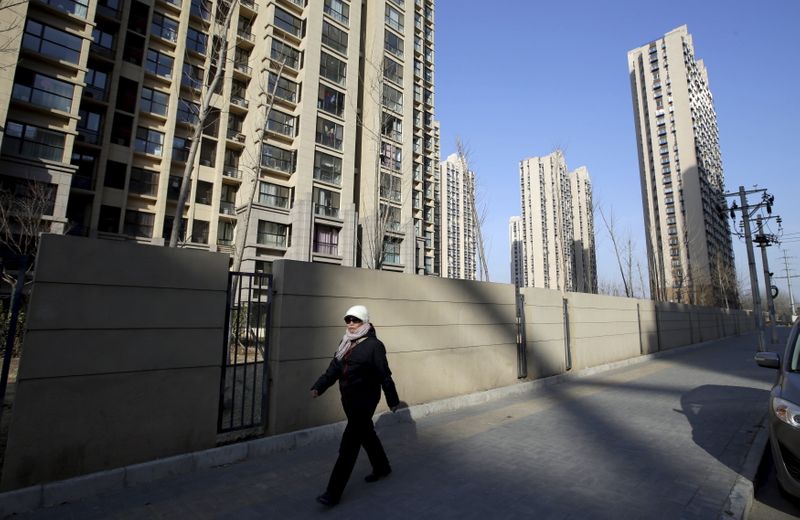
x,y
459,247
557,226
690,256
319,143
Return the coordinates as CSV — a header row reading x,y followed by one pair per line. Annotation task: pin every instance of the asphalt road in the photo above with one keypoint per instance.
x,y
769,503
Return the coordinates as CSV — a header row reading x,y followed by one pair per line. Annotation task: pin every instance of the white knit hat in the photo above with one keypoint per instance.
x,y
358,311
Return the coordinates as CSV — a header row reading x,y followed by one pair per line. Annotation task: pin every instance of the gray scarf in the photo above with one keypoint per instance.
x,y
350,340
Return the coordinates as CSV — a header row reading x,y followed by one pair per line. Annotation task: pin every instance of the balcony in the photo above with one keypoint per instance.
x,y
326,211
232,172
249,5
242,68
94,93
83,182
239,101
235,135
227,208
326,248
246,36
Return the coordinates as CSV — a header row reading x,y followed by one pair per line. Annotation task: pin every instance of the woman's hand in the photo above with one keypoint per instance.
x,y
314,393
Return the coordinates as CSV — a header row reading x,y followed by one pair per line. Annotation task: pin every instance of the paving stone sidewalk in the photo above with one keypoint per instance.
x,y
665,438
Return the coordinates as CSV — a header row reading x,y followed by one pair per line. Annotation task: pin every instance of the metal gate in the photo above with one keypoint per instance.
x,y
245,353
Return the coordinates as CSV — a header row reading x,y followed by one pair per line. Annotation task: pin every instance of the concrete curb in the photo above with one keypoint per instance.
x,y
740,500
73,489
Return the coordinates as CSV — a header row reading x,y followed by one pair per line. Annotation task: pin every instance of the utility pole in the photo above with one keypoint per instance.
x,y
747,212
763,241
789,277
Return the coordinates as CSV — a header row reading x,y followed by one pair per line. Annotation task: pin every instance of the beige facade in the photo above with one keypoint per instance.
x,y
459,251
689,248
106,95
557,226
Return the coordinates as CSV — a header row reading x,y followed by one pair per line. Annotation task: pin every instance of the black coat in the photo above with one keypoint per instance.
x,y
361,373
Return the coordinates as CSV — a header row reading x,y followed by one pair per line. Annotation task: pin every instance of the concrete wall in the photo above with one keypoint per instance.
x,y
121,362
443,337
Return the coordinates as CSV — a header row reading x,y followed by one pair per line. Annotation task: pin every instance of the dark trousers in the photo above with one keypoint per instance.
x,y
359,432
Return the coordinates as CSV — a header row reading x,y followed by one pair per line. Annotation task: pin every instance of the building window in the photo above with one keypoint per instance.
x,y
286,89
149,141
143,182
103,41
203,193
391,156
327,168
139,224
165,27
338,10
188,112
272,234
51,42
334,37
192,76
277,159
332,68
392,127
287,22
79,8
196,41
42,90
326,202
392,70
159,64
391,187
393,44
392,99
108,219
394,18
225,233
154,101
115,175
329,133
281,123
33,142
200,231
180,148
96,83
326,240
391,250
90,127
283,53
391,216
273,195
330,100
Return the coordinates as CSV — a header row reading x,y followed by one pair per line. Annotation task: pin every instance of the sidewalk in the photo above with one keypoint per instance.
x,y
665,438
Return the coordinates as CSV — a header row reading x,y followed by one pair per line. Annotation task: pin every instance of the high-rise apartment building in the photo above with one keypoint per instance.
x,y
690,256
517,251
339,166
557,226
459,248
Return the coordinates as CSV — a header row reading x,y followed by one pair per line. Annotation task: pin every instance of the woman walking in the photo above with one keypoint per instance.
x,y
361,368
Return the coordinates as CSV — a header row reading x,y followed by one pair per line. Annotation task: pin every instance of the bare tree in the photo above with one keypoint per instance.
x,y
470,181
622,250
11,16
220,48
23,220
266,94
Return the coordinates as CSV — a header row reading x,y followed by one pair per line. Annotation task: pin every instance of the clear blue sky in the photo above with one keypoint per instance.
x,y
516,79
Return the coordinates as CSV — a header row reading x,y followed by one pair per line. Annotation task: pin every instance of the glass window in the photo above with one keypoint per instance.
x,y
203,193
334,37
392,126
338,10
188,112
103,40
143,182
165,27
51,42
42,90
394,18
272,234
196,41
326,240
199,9
391,250
90,126
286,89
200,231
139,224
391,186
79,8
391,216
108,219
332,68
288,23
149,141
392,70
158,64
273,195
281,123
284,53
225,233
327,168
326,202
393,44
154,101
391,156
392,98
277,159
329,133
33,141
180,148
330,100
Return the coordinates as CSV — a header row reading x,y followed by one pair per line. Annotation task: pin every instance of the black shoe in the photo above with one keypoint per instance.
x,y
326,499
377,475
